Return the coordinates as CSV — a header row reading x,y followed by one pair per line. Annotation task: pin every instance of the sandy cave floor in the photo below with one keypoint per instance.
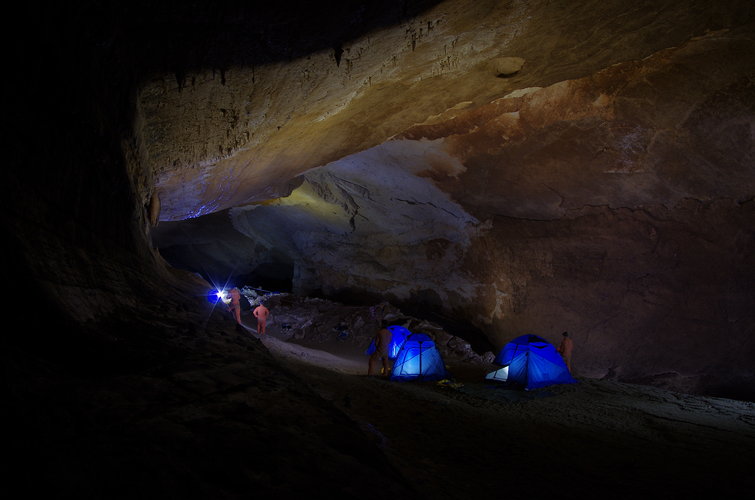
x,y
598,437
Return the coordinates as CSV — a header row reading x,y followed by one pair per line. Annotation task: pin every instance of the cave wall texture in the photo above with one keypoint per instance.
x,y
527,167
521,166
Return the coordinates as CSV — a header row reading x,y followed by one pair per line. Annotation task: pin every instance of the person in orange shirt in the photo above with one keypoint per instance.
x,y
235,305
565,349
261,313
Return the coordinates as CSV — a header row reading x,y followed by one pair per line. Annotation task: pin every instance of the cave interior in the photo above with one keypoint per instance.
x,y
496,167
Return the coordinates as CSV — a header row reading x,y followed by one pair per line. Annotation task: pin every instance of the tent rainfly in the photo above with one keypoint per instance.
x,y
419,359
530,362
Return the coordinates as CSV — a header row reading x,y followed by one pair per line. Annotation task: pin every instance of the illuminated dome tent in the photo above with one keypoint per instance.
x,y
530,362
418,359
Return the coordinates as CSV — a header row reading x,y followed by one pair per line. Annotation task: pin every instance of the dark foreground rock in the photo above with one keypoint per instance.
x,y
210,415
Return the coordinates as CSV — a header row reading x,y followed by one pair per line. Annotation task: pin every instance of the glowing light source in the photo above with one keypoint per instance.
x,y
218,295
223,295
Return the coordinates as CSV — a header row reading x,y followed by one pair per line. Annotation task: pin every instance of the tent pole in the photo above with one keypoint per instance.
x,y
421,374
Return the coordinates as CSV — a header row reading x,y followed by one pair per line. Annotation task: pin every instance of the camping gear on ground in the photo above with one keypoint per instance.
x,y
418,359
530,362
398,335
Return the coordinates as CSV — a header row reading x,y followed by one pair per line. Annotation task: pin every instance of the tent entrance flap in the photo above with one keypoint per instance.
x,y
500,375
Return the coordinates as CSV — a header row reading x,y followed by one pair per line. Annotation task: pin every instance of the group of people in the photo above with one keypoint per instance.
x,y
379,358
260,312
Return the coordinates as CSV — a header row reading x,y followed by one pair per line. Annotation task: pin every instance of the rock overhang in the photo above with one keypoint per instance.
x,y
544,179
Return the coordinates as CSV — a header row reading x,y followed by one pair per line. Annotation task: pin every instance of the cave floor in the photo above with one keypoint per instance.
x,y
596,438
218,412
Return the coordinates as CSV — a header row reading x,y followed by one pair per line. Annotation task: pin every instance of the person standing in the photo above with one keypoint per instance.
x,y
565,349
382,342
235,305
261,313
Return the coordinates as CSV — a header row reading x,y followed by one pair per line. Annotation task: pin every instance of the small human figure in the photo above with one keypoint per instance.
x,y
235,305
261,313
565,349
382,342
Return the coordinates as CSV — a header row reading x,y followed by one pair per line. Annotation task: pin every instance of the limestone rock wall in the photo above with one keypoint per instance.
x,y
616,204
217,137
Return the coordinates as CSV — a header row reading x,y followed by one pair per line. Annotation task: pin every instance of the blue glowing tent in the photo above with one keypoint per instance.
x,y
398,335
418,359
530,362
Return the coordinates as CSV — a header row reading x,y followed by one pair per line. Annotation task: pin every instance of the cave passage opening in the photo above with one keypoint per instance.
x,y
269,277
